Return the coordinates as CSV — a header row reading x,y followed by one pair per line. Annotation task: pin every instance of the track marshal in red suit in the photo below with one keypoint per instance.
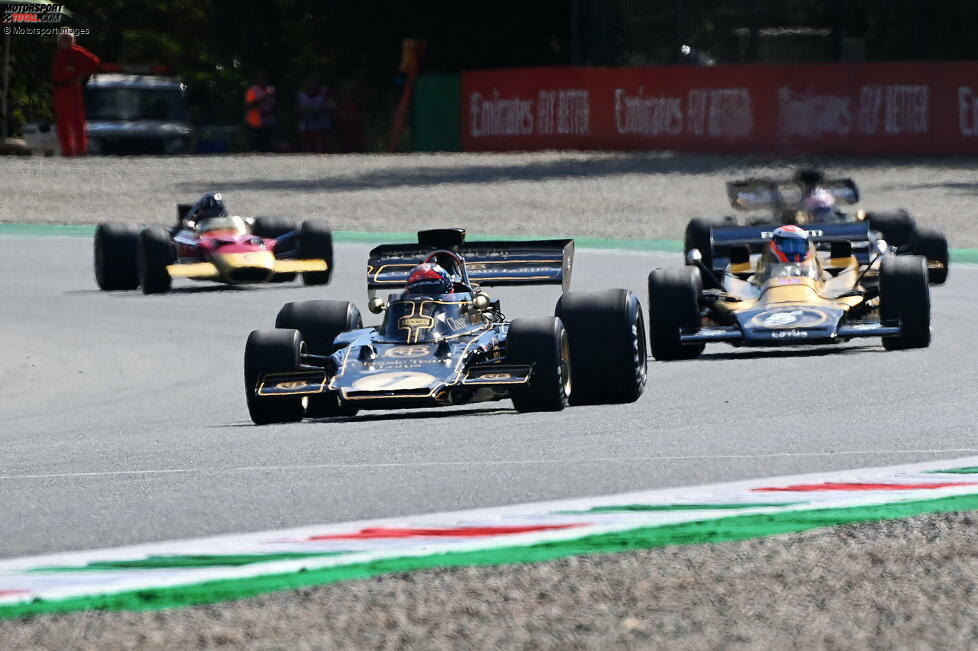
x,y
72,64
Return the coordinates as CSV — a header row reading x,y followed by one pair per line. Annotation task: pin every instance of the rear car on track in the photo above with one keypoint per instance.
x,y
451,348
208,243
811,198
824,290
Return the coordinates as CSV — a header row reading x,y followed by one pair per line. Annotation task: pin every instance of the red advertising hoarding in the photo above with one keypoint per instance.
x,y
872,108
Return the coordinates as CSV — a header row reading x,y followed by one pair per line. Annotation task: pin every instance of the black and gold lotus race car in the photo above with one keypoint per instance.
x,y
452,348
810,198
829,293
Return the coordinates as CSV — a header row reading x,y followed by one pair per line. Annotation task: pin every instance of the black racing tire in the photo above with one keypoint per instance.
x,y
698,236
319,321
674,307
156,251
933,245
116,249
905,296
273,227
897,226
608,348
543,343
316,243
272,351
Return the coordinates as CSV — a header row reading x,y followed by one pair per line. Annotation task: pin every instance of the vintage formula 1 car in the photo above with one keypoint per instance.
x,y
828,292
451,348
207,243
811,198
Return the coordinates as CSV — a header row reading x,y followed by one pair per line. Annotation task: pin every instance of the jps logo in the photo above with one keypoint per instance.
x,y
424,322
407,351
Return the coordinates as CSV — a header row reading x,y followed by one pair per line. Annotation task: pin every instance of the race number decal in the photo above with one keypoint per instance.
x,y
396,381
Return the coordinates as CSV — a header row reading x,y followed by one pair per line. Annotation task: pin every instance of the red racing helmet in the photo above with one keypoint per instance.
x,y
430,279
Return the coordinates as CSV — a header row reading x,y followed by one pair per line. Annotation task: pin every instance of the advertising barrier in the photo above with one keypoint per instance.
x,y
870,108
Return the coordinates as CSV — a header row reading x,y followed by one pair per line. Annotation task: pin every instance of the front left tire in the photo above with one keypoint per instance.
x,y
543,344
905,297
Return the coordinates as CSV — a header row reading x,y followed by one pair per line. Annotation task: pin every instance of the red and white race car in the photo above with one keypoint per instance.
x,y
210,244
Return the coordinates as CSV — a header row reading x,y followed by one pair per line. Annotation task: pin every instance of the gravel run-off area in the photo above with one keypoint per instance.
x,y
620,195
899,584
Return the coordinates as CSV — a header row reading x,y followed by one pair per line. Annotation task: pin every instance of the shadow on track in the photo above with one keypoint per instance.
x,y
586,167
395,416
201,289
767,353
424,176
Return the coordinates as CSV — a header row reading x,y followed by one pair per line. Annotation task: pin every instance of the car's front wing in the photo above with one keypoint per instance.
x,y
789,336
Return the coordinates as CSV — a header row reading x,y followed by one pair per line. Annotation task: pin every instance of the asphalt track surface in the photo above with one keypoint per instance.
x,y
124,418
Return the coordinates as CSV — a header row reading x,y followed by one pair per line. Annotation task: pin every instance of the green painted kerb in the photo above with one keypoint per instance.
x,y
368,237
741,527
970,470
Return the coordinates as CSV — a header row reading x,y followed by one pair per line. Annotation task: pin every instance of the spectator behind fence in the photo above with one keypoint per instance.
x,y
349,118
315,105
260,112
73,64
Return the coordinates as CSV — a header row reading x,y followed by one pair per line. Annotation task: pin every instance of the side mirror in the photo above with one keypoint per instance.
x,y
882,247
481,301
376,305
694,257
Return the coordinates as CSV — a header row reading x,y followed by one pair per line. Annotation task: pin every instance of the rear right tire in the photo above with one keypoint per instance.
x,y
319,321
542,343
905,297
116,249
674,308
272,351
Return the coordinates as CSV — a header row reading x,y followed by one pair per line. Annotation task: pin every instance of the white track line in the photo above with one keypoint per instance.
x,y
504,462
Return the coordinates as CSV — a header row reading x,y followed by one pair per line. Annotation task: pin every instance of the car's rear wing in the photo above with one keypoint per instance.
x,y
490,263
755,238
760,194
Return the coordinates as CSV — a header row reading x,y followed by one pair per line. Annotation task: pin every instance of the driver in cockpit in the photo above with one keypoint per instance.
x,y
429,279
790,254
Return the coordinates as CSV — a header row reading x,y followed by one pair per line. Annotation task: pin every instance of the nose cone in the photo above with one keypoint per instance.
x,y
245,266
